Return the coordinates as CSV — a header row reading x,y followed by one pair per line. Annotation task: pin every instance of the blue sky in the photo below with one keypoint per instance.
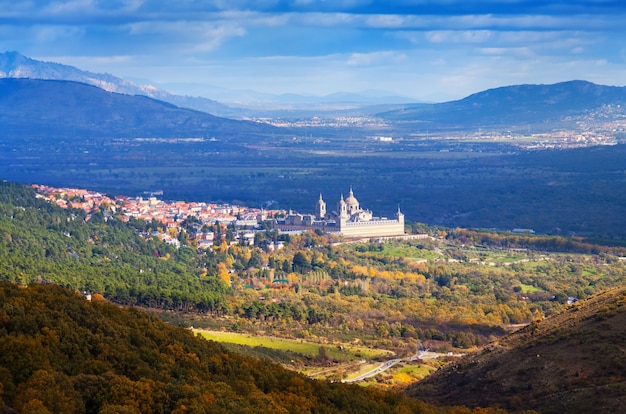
x,y
425,50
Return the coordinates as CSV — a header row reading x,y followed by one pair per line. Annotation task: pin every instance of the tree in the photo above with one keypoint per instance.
x,y
47,392
301,263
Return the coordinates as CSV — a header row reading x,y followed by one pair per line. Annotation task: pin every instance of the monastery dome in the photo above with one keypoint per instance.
x,y
351,200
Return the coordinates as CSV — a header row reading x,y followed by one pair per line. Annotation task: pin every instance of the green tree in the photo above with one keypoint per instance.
x,y
301,263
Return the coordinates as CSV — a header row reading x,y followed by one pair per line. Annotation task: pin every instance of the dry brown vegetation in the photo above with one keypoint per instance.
x,y
572,362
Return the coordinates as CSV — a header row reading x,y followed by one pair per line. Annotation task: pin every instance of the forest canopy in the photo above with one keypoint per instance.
x,y
60,353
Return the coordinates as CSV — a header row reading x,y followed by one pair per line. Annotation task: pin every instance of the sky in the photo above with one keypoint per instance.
x,y
430,51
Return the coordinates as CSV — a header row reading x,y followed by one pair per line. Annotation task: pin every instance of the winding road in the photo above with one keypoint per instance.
x,y
423,355
386,365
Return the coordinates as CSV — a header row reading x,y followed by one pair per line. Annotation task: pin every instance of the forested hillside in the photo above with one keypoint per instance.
x,y
97,253
62,354
450,290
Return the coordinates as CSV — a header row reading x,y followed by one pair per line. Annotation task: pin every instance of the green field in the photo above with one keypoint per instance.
x,y
408,251
507,259
530,289
342,352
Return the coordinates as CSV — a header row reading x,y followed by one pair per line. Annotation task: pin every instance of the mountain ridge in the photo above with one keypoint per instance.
x,y
544,106
15,65
70,109
516,105
568,363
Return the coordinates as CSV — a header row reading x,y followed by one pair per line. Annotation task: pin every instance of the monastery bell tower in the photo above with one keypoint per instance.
x,y
342,209
320,208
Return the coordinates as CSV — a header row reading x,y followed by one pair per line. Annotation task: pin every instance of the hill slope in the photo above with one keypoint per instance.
x,y
64,109
515,105
72,249
62,354
570,363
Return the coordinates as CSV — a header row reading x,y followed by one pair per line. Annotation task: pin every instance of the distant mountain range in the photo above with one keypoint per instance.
x,y
249,103
516,105
545,107
36,108
15,65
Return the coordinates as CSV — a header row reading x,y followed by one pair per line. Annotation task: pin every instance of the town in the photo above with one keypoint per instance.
x,y
169,215
236,224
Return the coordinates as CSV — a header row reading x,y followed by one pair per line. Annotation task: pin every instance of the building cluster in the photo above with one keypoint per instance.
x,y
75,198
151,208
169,215
329,122
348,219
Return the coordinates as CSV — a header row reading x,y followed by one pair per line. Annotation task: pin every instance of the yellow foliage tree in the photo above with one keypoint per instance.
x,y
223,246
402,378
292,278
222,273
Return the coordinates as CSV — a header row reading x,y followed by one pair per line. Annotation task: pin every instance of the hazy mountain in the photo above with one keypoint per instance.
x,y
352,98
573,362
515,105
244,103
48,108
15,65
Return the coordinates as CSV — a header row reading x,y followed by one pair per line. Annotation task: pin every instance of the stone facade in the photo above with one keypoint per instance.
x,y
349,219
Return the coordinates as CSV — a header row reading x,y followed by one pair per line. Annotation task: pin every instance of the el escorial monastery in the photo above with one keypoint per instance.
x,y
349,219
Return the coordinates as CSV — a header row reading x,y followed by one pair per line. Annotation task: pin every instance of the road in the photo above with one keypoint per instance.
x,y
386,365
422,355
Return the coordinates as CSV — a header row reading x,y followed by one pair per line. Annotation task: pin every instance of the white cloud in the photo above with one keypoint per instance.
x,y
376,58
387,21
462,36
51,34
189,36
211,38
524,52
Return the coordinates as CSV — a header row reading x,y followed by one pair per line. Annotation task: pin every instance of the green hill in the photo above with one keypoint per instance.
x,y
573,362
